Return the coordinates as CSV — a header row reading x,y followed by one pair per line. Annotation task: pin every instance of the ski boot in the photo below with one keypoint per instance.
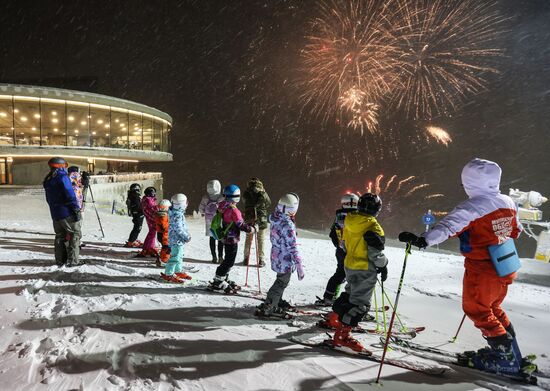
x,y
246,262
261,263
323,302
221,283
220,259
285,305
268,311
342,338
183,276
214,259
173,279
498,357
331,321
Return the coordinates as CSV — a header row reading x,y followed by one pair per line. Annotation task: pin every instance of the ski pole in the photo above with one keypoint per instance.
x,y
247,263
453,340
96,212
383,306
258,261
376,311
403,327
388,335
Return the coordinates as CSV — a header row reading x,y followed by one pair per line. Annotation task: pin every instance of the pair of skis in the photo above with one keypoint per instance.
x,y
529,373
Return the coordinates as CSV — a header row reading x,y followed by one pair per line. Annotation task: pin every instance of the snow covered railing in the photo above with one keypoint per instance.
x,y
125,177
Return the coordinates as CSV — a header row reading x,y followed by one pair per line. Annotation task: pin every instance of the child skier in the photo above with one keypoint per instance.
x,y
133,202
76,181
486,218
178,236
161,220
364,243
149,207
233,222
349,204
208,207
256,206
284,256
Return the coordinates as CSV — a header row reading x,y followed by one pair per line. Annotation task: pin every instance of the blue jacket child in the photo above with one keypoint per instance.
x,y
178,235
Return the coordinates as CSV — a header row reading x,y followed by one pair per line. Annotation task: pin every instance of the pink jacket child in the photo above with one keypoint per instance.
x,y
149,206
232,215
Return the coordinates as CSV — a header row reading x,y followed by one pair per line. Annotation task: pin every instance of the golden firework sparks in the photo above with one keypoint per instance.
x,y
439,134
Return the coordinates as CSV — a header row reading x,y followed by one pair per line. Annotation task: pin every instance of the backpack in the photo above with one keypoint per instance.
x,y
216,227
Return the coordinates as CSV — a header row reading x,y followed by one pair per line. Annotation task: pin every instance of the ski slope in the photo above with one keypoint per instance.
x,y
109,325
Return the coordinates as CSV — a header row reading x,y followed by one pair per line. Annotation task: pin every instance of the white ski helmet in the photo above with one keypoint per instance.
x,y
164,205
213,187
349,201
289,203
179,201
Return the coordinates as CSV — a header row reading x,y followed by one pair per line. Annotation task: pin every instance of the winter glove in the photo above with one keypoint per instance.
x,y
167,249
409,237
383,271
300,270
77,215
159,237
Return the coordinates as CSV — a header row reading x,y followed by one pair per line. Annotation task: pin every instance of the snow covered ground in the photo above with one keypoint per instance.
x,y
109,325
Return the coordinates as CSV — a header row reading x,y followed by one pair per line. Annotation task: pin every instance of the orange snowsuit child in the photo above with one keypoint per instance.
x,y
161,221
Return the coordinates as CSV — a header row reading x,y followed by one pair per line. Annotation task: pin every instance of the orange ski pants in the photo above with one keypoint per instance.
x,y
482,295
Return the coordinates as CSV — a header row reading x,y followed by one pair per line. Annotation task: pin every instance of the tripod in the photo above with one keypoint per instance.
x,y
87,186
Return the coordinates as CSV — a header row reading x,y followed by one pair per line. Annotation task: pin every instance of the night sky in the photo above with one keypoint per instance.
x,y
227,73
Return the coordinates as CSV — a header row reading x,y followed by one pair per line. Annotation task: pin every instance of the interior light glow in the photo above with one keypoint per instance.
x,y
83,123
54,112
55,129
55,120
37,115
100,121
2,114
94,133
24,119
70,118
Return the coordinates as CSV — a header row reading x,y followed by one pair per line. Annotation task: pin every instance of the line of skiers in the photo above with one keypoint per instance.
x,y
485,220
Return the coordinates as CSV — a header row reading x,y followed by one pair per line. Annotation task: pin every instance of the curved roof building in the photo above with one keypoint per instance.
x,y
40,122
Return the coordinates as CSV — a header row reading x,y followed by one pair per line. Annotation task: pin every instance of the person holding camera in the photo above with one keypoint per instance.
x,y
65,212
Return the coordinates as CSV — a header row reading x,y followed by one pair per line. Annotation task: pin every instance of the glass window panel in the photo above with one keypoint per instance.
x,y
119,129
100,126
147,133
135,131
27,122
52,116
168,145
157,135
78,125
6,121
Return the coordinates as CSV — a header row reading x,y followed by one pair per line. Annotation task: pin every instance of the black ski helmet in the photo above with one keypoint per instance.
x,y
73,169
150,191
57,162
135,187
369,203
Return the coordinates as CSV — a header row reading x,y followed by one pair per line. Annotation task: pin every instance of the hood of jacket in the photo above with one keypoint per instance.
x,y
255,185
481,177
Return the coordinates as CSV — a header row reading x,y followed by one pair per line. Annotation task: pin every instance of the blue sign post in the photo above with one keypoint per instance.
x,y
428,219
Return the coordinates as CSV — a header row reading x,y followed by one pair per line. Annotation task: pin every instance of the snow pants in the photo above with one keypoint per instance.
x,y
150,243
138,223
175,263
213,248
338,277
261,244
482,295
229,260
354,303
67,241
275,293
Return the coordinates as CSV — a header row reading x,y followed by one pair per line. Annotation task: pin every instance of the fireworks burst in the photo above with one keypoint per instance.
x,y
445,48
424,57
349,61
439,134
395,190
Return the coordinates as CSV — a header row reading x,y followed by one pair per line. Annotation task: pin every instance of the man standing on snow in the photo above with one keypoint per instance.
x,y
485,219
256,210
65,212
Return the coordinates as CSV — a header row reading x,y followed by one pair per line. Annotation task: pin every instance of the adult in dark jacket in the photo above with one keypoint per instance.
x,y
256,211
136,212
65,212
